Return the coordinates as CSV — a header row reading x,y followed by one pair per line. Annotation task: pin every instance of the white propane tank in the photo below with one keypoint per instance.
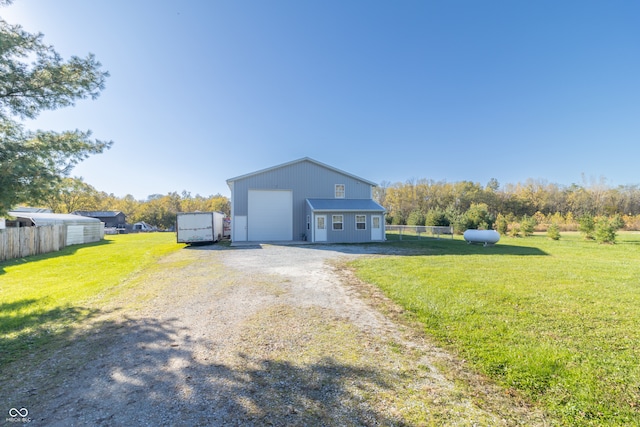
x,y
487,237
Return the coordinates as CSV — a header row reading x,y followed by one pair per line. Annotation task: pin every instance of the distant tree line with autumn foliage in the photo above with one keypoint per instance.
x,y
73,194
516,209
512,209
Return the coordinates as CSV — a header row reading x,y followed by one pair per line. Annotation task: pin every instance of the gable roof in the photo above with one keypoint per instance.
x,y
103,214
344,205
30,209
304,159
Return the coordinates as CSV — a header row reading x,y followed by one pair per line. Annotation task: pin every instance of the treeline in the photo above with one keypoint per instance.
x,y
467,204
532,205
73,194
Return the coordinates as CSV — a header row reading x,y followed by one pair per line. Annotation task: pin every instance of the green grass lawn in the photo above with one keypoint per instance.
x,y
559,321
42,296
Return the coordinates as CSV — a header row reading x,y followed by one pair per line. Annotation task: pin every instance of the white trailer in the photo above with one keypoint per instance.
x,y
199,227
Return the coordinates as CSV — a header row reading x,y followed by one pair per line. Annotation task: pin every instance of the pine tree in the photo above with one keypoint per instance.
x,y
36,78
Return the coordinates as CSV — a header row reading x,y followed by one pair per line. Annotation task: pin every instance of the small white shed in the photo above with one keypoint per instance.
x,y
80,229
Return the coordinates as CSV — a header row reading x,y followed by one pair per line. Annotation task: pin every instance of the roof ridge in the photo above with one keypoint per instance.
x,y
303,159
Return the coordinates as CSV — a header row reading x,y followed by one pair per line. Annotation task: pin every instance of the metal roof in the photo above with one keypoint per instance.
x,y
345,205
30,209
304,159
103,214
40,218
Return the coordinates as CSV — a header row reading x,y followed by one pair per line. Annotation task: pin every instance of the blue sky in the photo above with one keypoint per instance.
x,y
203,91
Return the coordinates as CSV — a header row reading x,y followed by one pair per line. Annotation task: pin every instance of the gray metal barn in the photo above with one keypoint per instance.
x,y
304,200
115,219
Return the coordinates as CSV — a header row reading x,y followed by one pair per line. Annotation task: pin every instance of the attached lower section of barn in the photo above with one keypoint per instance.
x,y
344,221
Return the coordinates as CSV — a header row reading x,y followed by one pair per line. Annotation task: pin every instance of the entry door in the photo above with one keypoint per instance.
x,y
377,227
240,228
321,228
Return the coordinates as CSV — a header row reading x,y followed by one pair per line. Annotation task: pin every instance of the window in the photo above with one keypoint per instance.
x,y
339,191
336,221
361,222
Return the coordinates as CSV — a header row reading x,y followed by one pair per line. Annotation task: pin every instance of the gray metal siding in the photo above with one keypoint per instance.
x,y
93,232
307,180
84,233
349,233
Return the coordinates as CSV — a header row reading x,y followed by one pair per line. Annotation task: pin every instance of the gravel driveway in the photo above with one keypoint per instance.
x,y
256,335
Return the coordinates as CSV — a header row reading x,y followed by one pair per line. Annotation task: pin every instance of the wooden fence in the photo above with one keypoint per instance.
x,y
19,242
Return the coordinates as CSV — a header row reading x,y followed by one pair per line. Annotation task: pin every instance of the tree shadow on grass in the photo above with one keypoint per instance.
x,y
428,246
431,246
152,372
408,247
23,325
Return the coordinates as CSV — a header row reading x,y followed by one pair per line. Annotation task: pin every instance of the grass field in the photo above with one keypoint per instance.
x,y
558,321
42,296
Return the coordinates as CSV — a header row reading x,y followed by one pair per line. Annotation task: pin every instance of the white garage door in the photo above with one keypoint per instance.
x,y
270,215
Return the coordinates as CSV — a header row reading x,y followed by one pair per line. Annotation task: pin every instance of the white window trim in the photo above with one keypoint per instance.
x,y
364,221
344,191
341,222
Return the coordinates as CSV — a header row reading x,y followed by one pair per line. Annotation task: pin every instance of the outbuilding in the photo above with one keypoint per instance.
x,y
304,200
79,229
111,219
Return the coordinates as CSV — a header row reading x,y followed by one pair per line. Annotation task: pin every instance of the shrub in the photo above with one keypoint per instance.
x,y
478,216
553,232
528,225
461,223
514,230
397,220
587,226
605,230
570,222
502,226
457,219
618,222
539,218
415,218
436,217
631,222
557,219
